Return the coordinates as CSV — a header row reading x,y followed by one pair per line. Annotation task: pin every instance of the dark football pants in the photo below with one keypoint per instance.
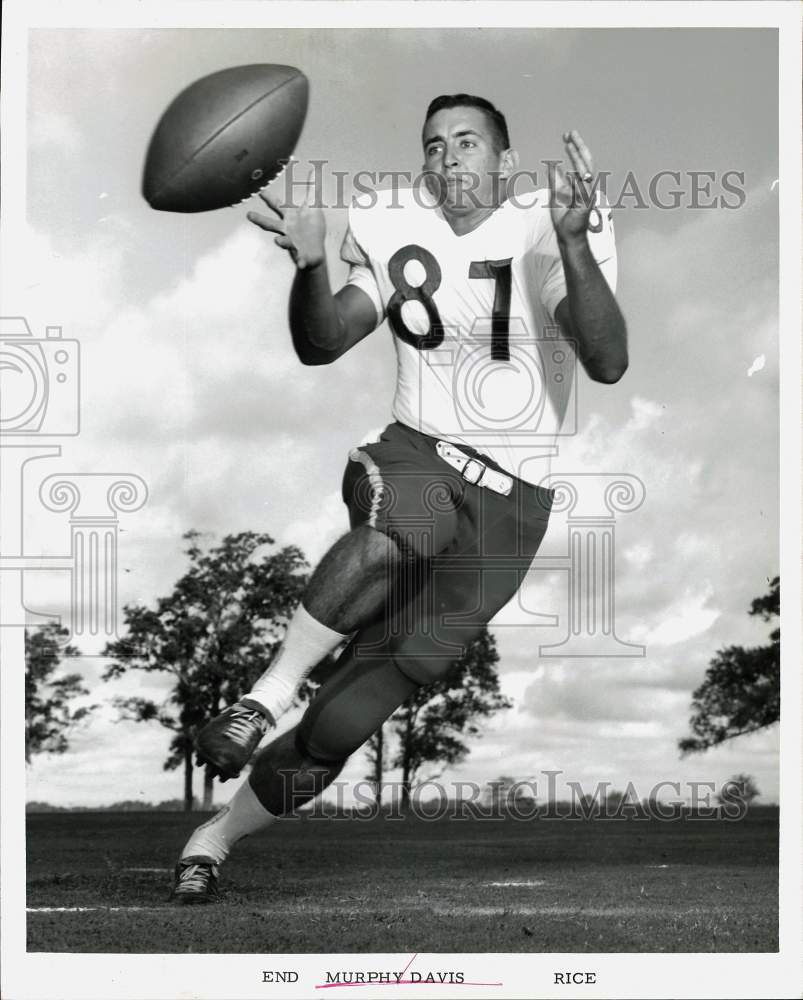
x,y
466,550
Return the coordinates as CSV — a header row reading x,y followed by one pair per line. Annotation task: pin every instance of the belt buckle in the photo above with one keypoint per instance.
x,y
477,469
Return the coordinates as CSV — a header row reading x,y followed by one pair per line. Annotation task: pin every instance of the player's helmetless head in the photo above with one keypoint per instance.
x,y
467,154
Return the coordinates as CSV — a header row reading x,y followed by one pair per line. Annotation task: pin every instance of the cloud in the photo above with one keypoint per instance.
x,y
314,535
79,291
185,364
53,129
686,617
595,694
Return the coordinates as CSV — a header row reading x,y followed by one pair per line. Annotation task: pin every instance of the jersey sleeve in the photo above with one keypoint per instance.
x,y
361,273
601,241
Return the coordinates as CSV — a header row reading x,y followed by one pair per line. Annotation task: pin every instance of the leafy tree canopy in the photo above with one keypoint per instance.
x,y
741,692
49,698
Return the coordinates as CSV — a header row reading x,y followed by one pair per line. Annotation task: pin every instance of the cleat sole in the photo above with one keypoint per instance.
x,y
217,772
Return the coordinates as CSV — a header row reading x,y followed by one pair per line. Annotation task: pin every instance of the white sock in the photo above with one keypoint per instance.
x,y
243,815
306,642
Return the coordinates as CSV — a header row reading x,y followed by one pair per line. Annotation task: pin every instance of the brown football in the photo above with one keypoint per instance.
x,y
225,137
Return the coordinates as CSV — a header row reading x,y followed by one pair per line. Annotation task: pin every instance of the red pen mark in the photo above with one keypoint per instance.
x,y
409,963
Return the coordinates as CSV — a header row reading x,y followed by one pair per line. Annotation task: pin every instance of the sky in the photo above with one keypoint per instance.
x,y
188,379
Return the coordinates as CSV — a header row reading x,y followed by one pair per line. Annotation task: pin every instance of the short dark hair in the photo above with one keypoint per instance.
x,y
495,118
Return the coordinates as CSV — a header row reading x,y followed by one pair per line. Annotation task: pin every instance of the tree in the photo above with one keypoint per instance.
x,y
375,748
740,788
215,634
431,723
505,791
741,692
49,716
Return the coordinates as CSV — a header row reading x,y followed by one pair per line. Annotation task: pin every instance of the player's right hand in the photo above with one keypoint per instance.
x,y
570,197
300,228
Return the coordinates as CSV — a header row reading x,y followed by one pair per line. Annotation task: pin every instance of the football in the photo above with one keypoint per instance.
x,y
225,137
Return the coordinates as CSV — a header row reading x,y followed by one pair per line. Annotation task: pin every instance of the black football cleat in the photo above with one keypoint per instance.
x,y
228,742
195,881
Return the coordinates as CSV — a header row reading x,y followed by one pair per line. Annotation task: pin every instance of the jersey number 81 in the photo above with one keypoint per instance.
x,y
499,271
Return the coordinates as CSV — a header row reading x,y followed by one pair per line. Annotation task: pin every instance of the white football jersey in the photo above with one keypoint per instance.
x,y
481,360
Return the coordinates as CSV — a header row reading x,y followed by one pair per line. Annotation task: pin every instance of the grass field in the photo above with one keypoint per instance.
x,y
98,882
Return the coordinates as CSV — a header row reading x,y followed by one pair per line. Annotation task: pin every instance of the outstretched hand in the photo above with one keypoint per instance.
x,y
300,228
571,197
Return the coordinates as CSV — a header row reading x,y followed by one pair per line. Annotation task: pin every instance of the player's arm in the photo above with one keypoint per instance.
x,y
323,325
589,313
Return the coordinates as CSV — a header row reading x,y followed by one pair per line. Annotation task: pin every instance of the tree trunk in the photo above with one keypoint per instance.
x,y
378,765
209,777
407,763
405,789
188,777
208,789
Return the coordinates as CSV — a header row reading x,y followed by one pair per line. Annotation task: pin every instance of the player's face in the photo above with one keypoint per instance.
x,y
464,170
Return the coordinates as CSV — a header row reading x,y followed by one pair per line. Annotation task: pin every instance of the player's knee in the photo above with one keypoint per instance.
x,y
317,753
423,666
423,670
427,656
286,775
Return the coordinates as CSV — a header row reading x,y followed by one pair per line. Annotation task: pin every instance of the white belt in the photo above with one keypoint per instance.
x,y
473,470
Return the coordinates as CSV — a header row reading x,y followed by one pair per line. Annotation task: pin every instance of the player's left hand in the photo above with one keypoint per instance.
x,y
571,197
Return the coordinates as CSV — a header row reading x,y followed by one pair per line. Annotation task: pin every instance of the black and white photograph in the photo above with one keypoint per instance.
x,y
400,452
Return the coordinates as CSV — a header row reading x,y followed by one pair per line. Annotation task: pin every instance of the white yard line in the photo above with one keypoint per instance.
x,y
423,908
572,911
511,885
90,909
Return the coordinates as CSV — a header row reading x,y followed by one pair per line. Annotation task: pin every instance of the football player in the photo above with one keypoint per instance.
x,y
488,303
